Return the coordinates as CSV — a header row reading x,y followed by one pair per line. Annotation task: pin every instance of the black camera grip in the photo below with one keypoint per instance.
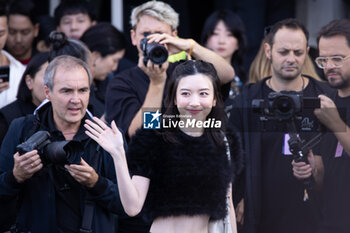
x,y
36,142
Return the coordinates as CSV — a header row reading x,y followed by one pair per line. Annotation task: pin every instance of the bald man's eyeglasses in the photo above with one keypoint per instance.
x,y
331,62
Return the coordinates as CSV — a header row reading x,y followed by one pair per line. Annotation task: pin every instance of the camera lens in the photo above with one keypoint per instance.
x,y
74,152
63,152
284,105
157,53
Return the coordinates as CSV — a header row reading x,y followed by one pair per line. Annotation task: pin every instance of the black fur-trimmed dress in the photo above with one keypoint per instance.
x,y
190,178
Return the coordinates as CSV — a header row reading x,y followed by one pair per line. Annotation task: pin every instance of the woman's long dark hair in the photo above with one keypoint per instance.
x,y
104,38
235,25
62,45
33,67
185,69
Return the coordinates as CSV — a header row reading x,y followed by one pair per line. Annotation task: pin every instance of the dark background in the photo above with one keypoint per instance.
x,y
256,14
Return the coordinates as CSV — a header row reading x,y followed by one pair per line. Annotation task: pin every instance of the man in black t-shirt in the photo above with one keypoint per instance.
x,y
334,50
273,197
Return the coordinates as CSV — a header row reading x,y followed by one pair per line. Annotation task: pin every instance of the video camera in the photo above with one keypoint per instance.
x,y
60,152
155,52
284,105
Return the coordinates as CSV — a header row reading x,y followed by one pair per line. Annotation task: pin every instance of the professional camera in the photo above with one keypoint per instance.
x,y
155,52
284,105
60,152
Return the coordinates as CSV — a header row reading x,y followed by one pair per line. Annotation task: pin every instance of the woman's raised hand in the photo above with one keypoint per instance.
x,y
109,138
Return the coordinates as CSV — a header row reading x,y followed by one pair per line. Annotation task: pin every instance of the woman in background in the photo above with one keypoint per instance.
x,y
224,33
107,45
60,44
30,93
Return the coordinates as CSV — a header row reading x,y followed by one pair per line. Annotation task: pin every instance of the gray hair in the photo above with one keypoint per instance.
x,y
65,62
157,9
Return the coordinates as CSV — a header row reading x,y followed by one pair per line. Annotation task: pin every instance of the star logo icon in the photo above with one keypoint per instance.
x,y
151,120
156,116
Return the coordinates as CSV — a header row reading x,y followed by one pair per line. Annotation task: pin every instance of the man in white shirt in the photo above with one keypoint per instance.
x,y
8,89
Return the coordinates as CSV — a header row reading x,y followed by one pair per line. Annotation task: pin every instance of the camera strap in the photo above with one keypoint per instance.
x,y
30,126
89,206
86,223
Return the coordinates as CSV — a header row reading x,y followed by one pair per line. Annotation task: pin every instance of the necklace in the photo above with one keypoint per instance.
x,y
269,84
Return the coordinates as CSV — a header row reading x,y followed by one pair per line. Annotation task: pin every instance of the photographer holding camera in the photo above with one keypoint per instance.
x,y
272,199
334,50
79,195
144,85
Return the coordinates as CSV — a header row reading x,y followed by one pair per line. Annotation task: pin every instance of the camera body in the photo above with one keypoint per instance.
x,y
284,105
60,152
155,52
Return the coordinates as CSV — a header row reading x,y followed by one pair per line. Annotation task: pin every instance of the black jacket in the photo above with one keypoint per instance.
x,y
37,195
12,111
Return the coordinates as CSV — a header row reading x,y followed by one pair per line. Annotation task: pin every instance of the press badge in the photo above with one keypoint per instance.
x,y
338,151
285,148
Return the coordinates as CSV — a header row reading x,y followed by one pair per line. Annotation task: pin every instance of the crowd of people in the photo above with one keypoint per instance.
x,y
185,139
